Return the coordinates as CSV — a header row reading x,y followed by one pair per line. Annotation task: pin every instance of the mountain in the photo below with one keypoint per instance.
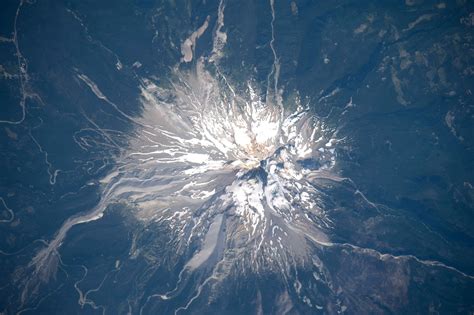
x,y
236,157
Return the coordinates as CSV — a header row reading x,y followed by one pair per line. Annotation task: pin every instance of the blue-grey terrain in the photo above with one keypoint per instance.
x,y
236,157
